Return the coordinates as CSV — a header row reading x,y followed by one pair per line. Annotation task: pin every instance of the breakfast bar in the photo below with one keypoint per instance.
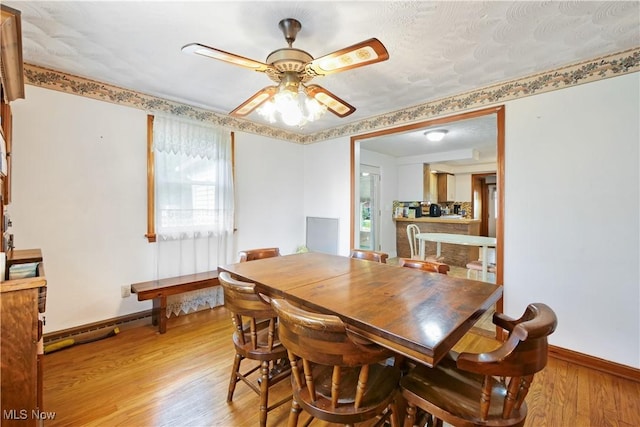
x,y
453,254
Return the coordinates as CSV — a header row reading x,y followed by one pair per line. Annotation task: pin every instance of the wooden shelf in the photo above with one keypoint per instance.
x,y
23,256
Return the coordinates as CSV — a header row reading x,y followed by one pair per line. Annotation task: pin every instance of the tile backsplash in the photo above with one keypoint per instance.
x,y
464,206
399,211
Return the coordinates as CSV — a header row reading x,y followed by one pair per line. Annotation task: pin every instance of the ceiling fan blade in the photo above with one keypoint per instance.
x,y
255,101
334,104
361,54
210,52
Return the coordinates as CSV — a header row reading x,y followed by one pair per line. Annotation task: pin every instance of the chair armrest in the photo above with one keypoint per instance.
x,y
508,323
505,322
539,319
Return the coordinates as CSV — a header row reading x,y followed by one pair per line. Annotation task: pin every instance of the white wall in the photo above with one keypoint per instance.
x,y
79,194
327,189
269,193
410,182
571,224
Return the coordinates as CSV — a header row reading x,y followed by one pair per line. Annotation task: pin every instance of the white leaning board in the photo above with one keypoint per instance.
x,y
322,235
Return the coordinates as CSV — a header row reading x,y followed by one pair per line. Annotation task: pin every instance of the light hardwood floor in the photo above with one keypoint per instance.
x,y
142,378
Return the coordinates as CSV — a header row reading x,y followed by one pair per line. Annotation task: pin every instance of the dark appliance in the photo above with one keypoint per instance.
x,y
456,209
434,210
417,210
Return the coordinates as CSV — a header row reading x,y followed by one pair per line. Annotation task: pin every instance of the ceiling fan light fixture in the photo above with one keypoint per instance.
x,y
292,106
292,100
288,105
314,108
435,135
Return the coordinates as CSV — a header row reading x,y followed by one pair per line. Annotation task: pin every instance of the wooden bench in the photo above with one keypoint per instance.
x,y
159,290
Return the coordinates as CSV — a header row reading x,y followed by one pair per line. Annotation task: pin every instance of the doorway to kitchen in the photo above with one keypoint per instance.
x,y
393,139
369,217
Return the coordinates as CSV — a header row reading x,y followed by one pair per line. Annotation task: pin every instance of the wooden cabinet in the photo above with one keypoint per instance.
x,y
22,302
12,76
446,188
11,88
6,133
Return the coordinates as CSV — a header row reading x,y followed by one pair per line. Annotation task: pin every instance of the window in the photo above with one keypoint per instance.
x,y
190,186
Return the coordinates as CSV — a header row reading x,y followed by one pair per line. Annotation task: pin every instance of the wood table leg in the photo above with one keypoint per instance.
x,y
162,316
159,313
155,311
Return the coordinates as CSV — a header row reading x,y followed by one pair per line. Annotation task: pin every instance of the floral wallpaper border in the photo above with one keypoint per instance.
x,y
596,69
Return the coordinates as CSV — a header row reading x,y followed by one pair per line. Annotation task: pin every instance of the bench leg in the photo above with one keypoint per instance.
x,y
159,314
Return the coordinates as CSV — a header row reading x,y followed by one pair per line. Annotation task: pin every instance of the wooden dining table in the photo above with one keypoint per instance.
x,y
415,313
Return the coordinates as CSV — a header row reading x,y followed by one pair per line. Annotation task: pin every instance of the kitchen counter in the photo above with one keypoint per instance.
x,y
438,219
458,255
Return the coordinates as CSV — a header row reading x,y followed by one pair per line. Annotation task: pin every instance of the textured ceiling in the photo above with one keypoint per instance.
x,y
436,48
469,141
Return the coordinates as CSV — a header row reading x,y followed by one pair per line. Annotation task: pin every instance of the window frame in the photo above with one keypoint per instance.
x,y
151,180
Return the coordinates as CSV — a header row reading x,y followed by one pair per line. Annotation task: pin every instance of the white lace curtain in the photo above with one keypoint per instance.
x,y
193,203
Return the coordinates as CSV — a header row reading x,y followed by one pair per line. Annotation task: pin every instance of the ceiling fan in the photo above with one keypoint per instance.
x,y
293,68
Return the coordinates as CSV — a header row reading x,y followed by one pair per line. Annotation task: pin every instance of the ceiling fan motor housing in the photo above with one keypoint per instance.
x,y
289,60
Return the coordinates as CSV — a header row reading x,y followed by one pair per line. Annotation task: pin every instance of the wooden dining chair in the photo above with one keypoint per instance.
x,y
369,255
255,337
426,265
336,378
475,267
484,389
253,254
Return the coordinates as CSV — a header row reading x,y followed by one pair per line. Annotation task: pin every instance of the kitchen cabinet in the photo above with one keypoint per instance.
x,y
446,188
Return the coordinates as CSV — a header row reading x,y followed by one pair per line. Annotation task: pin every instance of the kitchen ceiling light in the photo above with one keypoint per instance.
x,y
435,135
